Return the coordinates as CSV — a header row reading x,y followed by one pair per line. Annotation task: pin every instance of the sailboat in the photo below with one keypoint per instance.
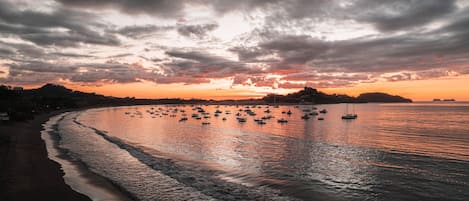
x,y
275,101
348,115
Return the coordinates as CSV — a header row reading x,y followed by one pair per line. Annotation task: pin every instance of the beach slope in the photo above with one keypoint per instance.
x,y
26,172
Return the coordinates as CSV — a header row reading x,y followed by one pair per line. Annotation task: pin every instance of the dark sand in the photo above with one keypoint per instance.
x,y
26,173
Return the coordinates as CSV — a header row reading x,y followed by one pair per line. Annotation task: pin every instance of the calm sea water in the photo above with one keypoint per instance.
x,y
417,151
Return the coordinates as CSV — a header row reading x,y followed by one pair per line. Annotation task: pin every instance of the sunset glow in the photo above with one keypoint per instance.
x,y
237,49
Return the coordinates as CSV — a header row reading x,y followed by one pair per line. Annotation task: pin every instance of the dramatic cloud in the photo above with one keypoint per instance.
x,y
402,14
98,73
61,27
162,8
255,43
205,65
296,49
137,32
198,30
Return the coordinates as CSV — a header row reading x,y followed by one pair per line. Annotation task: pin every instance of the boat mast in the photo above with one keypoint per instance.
x,y
275,101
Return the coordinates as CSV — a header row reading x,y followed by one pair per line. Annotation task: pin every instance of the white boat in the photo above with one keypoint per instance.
x,y
349,115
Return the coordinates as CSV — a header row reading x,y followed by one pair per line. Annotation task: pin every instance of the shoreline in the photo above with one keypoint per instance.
x,y
77,174
27,173
32,167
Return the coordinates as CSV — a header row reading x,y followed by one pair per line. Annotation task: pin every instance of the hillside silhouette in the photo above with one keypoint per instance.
x,y
23,104
311,95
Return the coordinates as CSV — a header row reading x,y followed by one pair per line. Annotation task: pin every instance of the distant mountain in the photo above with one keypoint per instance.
x,y
57,96
311,95
378,97
50,90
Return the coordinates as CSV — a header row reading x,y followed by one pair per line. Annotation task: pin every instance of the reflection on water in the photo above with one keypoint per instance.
x,y
391,152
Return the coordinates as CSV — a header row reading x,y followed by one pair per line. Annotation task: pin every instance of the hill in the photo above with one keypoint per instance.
x,y
378,97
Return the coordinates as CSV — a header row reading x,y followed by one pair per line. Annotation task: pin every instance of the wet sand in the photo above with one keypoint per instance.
x,y
26,173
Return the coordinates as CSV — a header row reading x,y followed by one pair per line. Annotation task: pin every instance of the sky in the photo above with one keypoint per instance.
x,y
224,49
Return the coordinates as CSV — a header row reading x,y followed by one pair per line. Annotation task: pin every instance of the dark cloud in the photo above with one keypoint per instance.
x,y
251,54
4,52
70,39
120,55
201,57
205,65
426,54
401,14
223,6
420,75
385,16
109,72
114,73
18,51
71,55
414,52
197,30
40,67
296,49
23,52
161,8
156,60
41,27
142,31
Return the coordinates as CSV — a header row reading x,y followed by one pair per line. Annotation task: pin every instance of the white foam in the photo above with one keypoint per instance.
x,y
74,176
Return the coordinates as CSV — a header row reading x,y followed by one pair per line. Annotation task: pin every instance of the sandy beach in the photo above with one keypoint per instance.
x,y
26,173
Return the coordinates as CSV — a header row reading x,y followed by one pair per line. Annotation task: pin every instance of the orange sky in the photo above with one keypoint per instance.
x,y
418,90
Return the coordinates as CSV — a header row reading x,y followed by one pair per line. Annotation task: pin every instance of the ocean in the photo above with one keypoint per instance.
x,y
405,151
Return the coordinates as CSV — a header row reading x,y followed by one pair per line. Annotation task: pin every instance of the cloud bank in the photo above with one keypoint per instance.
x,y
277,44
